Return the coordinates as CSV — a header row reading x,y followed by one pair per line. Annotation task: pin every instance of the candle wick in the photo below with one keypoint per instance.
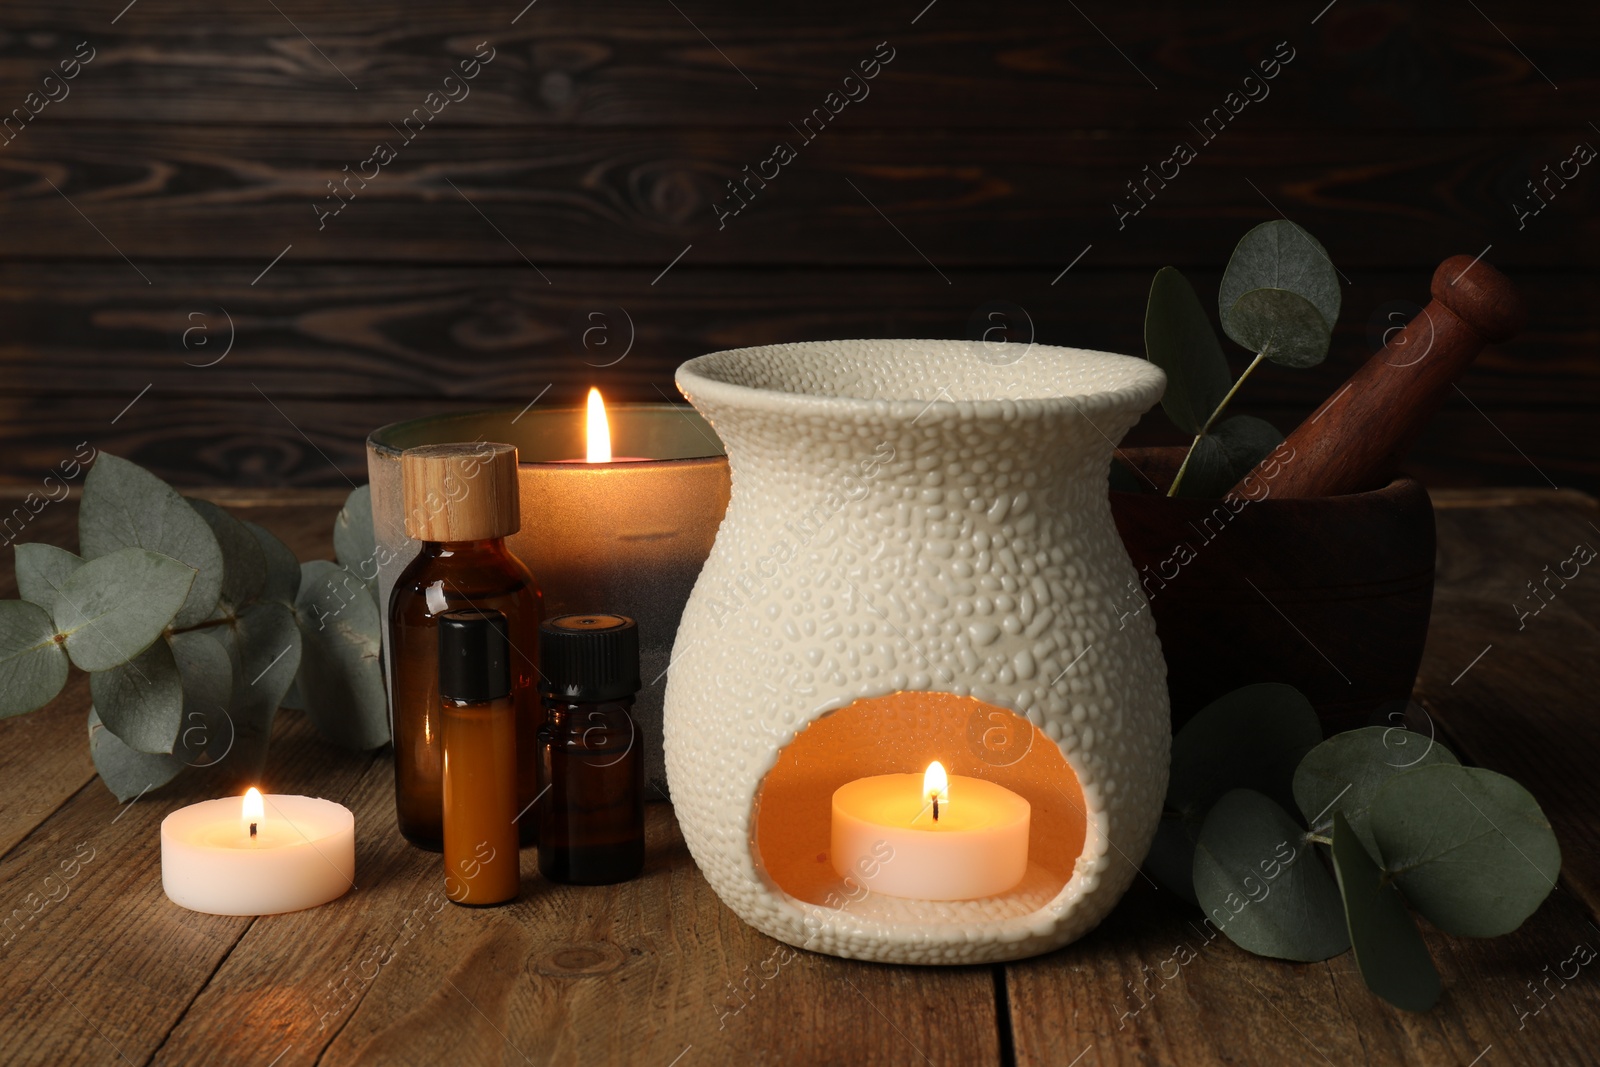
x,y
253,831
936,807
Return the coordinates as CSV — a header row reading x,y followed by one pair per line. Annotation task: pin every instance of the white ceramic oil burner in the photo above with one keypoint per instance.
x,y
918,567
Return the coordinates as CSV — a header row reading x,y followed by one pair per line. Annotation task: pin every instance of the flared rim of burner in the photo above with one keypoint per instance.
x,y
915,379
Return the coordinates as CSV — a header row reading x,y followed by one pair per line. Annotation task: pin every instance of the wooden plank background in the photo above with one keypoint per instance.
x,y
139,213
658,971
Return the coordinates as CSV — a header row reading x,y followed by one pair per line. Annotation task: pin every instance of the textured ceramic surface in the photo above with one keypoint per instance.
x,y
621,537
917,516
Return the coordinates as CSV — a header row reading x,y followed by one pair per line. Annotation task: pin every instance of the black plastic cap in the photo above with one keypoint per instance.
x,y
474,656
587,659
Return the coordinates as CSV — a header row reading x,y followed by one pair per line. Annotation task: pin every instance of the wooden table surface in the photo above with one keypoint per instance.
x,y
101,968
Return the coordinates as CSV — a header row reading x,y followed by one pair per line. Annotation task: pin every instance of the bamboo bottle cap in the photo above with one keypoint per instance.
x,y
461,492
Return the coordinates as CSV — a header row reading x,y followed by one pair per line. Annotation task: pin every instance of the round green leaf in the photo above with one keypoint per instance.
x,y
1280,255
208,733
126,506
354,544
1229,452
141,701
1390,953
41,570
1179,339
112,608
33,665
267,650
341,680
1261,884
1469,848
126,772
283,569
244,566
1251,738
1283,326
1345,772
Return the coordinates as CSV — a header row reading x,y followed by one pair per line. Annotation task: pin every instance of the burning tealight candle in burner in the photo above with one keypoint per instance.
x,y
930,836
257,855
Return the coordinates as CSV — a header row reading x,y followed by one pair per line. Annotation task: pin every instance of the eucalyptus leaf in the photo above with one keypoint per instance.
x,y
127,772
1179,339
41,570
282,568
1251,738
1470,848
354,544
1344,773
267,648
1260,882
113,607
341,680
33,665
1390,953
1280,255
1280,325
1227,453
244,566
208,733
141,701
125,506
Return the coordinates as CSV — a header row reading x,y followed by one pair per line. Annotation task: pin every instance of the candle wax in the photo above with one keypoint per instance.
x,y
303,854
886,839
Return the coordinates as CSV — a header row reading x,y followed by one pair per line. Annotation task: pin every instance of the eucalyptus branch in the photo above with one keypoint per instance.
x,y
229,619
1215,414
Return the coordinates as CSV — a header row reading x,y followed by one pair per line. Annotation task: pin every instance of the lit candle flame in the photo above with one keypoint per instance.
x,y
253,810
599,429
936,787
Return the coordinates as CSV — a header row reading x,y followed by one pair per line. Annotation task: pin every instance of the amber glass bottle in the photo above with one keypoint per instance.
x,y
479,783
461,502
591,820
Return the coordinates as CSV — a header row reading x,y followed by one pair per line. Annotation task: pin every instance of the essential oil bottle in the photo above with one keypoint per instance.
x,y
461,502
591,817
479,779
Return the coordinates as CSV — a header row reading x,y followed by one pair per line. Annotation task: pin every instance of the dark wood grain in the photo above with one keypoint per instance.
x,y
960,198
1123,992
1428,65
645,972
269,441
1000,144
392,972
74,990
1504,709
1521,710
491,333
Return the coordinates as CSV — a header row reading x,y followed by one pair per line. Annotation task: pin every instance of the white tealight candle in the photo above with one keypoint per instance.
x,y
261,855
930,836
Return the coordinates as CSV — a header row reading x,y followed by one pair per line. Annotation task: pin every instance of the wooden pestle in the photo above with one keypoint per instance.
x,y
1356,440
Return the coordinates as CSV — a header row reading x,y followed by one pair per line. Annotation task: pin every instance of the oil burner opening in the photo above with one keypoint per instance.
x,y
844,821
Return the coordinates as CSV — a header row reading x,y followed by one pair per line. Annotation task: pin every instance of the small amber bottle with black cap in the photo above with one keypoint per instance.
x,y
462,502
591,759
479,779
